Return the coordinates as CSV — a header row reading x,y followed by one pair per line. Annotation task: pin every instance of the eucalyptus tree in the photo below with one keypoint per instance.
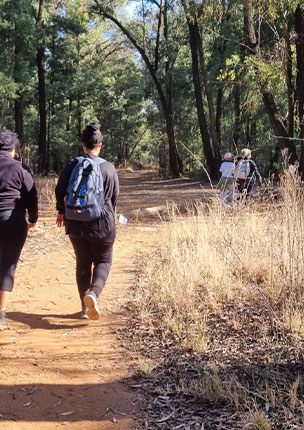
x,y
17,36
90,77
299,28
119,103
155,34
42,140
192,11
268,35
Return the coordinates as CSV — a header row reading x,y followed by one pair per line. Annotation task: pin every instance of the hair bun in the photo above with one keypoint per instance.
x,y
94,126
91,135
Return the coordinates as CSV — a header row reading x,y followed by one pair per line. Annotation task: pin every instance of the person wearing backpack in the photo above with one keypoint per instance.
x,y
86,196
18,194
247,175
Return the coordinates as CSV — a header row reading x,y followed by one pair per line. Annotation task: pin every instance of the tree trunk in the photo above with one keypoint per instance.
x,y
79,117
19,101
69,118
49,125
288,77
286,144
273,160
219,111
299,27
237,115
210,160
208,91
162,159
19,125
173,152
253,132
42,146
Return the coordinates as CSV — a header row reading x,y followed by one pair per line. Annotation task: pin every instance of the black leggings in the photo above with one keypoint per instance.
x,y
96,252
13,232
245,185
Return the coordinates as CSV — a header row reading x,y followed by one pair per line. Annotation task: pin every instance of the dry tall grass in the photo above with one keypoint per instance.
x,y
46,194
214,257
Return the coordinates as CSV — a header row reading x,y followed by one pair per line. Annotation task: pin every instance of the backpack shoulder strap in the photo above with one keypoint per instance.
x,y
96,160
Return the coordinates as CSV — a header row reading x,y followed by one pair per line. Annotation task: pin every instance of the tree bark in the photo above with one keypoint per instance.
x,y
19,101
19,124
286,144
208,91
173,152
288,77
219,111
42,144
237,115
69,118
210,160
79,117
299,27
156,55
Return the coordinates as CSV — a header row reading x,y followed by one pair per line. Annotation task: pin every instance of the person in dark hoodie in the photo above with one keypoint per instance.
x,y
17,194
92,240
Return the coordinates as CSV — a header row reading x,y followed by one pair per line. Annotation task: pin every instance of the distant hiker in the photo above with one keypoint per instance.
x,y
140,164
86,195
226,183
247,175
17,193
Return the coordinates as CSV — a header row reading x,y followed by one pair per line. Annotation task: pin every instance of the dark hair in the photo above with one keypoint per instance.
x,y
91,135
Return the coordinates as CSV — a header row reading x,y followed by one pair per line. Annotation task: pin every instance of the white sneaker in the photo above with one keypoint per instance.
x,y
90,301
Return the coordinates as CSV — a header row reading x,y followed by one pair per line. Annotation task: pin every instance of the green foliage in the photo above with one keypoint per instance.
x,y
92,72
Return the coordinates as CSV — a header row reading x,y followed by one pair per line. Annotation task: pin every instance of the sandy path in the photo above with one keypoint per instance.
x,y
55,369
58,370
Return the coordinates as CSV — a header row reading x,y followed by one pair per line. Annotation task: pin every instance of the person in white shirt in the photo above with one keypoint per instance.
x,y
226,183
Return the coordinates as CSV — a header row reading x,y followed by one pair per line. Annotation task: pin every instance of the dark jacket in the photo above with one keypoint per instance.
x,y
104,227
17,187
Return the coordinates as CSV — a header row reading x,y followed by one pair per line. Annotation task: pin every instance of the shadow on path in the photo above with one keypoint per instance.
x,y
40,321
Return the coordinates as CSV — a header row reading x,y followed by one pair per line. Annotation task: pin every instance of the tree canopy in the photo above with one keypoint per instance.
x,y
178,82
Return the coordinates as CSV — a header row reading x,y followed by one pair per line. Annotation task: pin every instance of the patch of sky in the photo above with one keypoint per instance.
x,y
61,34
109,34
61,11
130,7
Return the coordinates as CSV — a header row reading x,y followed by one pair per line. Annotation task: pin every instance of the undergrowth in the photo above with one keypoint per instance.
x,y
223,294
215,257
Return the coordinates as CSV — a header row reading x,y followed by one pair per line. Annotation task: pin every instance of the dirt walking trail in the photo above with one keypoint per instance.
x,y
57,370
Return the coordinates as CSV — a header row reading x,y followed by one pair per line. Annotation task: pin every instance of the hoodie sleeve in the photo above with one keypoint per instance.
x,y
29,193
